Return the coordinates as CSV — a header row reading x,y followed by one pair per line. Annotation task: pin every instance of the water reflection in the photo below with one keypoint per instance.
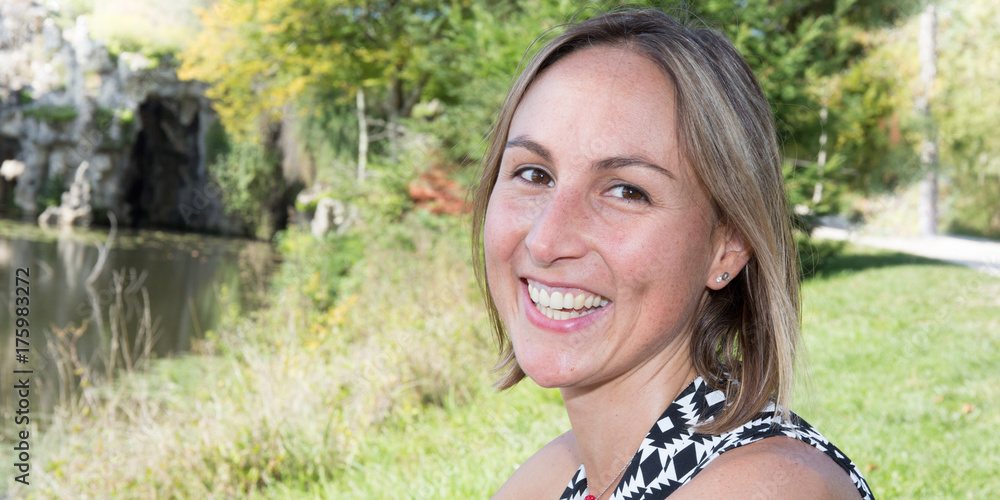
x,y
187,281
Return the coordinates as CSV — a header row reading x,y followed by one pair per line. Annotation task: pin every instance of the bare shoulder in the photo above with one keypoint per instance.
x,y
777,467
546,473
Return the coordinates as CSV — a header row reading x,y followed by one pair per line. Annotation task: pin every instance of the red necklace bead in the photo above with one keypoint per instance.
x,y
590,497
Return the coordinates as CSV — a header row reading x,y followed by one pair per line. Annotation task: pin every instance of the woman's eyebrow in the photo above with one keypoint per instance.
x,y
523,142
616,162
610,163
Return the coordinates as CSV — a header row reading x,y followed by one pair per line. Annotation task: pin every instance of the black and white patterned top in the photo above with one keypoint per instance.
x,y
673,453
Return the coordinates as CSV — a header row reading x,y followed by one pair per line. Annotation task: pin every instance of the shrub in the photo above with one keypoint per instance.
x,y
51,193
250,178
814,253
975,206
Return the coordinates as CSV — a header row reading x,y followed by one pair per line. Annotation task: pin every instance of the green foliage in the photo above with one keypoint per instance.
x,y
386,197
250,179
964,110
975,207
328,129
52,114
261,55
316,54
501,36
24,96
315,267
266,58
811,55
801,180
816,254
871,136
51,193
216,143
103,118
310,206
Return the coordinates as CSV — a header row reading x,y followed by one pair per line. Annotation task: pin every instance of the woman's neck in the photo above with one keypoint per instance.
x,y
610,420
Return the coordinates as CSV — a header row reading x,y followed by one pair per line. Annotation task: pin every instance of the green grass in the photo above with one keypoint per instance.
x,y
387,390
905,372
453,451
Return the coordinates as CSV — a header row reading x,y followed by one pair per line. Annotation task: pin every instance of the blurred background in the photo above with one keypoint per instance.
x,y
247,229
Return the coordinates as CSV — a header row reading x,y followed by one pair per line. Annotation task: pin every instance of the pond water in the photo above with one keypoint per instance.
x,y
155,294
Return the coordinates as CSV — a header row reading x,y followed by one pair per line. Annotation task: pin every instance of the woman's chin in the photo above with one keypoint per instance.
x,y
548,371
546,382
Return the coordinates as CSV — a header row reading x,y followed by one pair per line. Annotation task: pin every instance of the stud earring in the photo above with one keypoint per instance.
x,y
724,277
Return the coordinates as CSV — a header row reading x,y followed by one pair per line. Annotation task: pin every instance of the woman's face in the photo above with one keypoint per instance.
x,y
595,201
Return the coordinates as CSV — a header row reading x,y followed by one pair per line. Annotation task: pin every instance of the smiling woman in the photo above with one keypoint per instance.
x,y
635,247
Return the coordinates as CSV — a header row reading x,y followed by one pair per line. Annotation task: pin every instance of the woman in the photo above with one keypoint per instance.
x,y
637,254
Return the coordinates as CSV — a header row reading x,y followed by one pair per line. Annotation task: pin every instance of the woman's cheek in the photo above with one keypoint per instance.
x,y
497,246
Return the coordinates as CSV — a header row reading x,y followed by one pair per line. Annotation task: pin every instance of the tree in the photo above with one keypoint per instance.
x,y
831,105
321,54
966,100
928,151
262,54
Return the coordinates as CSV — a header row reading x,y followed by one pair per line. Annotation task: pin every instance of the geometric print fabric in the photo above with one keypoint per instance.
x,y
673,453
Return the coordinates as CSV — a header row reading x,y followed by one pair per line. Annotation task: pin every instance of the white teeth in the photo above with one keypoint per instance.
x,y
560,306
568,301
561,315
556,300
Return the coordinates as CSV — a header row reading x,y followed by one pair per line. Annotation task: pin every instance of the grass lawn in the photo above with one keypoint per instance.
x,y
905,372
903,375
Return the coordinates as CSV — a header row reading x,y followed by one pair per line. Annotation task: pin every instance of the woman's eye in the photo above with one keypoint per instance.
x,y
627,192
536,176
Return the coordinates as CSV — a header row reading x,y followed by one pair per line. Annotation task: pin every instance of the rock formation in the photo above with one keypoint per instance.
x,y
65,100
74,208
323,214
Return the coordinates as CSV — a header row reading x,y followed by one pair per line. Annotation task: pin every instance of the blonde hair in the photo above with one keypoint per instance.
x,y
745,340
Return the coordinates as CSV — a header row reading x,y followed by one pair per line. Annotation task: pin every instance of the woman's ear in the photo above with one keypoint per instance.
x,y
731,255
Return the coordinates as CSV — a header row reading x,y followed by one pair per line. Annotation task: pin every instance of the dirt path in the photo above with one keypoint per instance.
x,y
980,254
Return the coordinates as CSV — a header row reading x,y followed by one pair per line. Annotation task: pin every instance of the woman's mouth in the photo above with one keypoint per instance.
x,y
564,305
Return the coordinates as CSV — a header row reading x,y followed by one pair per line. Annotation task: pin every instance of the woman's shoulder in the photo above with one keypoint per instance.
x,y
776,467
546,473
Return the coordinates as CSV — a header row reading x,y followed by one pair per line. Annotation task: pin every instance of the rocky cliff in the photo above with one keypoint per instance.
x,y
65,101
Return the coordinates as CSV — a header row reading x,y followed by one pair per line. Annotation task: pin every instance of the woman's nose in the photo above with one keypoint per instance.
x,y
557,233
